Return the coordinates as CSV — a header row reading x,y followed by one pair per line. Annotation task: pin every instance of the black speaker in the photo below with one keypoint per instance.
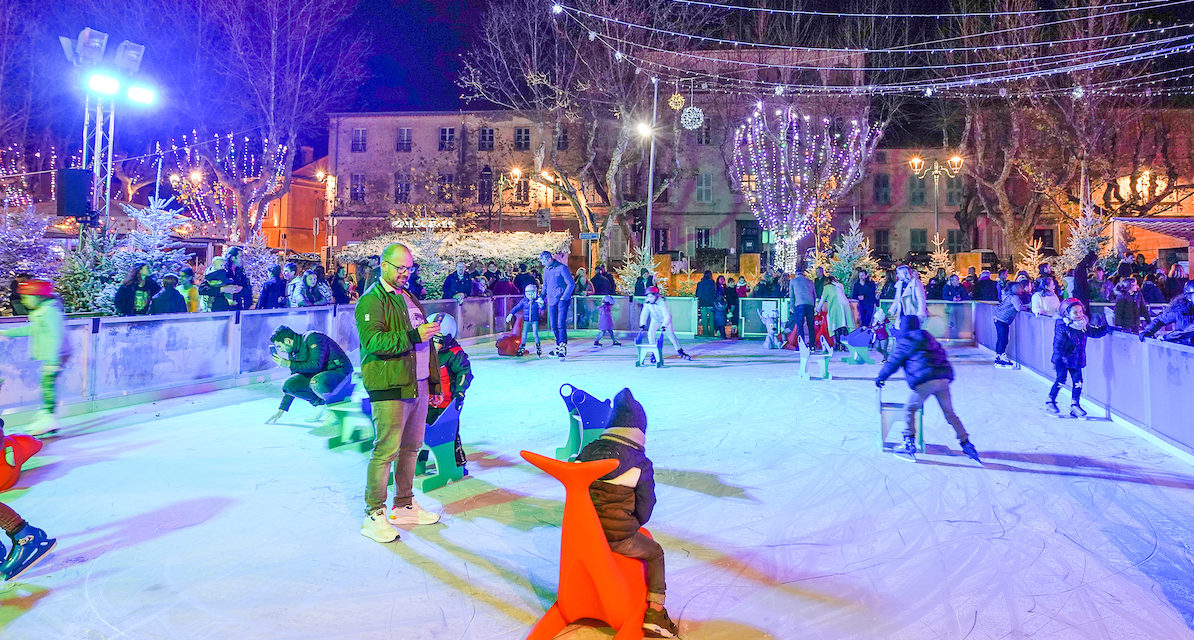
x,y
74,192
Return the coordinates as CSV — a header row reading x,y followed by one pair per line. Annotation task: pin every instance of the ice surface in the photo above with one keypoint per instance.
x,y
781,518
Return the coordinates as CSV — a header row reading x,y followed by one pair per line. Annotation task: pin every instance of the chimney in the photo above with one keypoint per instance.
x,y
306,155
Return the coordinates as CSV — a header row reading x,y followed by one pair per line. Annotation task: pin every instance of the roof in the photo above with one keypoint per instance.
x,y
1177,227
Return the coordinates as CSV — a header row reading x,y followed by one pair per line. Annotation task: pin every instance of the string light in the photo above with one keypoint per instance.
x,y
981,14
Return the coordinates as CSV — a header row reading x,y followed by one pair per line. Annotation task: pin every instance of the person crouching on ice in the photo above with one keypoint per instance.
x,y
624,499
1069,352
47,343
928,372
319,366
656,312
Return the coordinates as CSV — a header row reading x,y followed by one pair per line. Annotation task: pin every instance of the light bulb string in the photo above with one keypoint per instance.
x,y
982,14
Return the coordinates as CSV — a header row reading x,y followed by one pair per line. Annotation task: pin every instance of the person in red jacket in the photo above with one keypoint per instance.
x,y
455,374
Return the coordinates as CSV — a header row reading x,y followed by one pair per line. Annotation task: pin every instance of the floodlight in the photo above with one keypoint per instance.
x,y
128,57
143,95
103,83
91,46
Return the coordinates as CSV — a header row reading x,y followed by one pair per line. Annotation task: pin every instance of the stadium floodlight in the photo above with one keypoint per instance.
x,y
103,83
141,95
128,57
91,45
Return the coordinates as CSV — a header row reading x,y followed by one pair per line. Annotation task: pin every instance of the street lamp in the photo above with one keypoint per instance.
x,y
952,167
502,184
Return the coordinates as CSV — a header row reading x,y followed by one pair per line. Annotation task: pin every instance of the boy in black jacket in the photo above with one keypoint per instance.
x,y
624,499
1069,353
928,372
319,366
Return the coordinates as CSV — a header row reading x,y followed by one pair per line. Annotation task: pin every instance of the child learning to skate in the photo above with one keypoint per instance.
x,y
455,374
624,499
605,321
531,307
1070,332
29,544
882,328
47,343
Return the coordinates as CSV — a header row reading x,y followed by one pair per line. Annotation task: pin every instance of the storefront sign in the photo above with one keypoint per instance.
x,y
423,223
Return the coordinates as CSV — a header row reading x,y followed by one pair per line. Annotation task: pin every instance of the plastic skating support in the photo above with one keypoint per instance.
x,y
343,414
643,350
15,452
859,344
595,582
891,414
440,438
508,344
820,361
587,417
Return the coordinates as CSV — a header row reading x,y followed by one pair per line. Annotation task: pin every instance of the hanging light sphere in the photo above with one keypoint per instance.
x,y
692,118
676,101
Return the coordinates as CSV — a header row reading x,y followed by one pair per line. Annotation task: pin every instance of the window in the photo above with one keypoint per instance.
x,y
447,138
659,239
704,188
559,196
522,191
356,187
401,188
562,139
953,191
953,240
447,187
750,185
665,193
404,140
359,144
522,138
704,135
880,157
485,139
704,237
883,241
882,188
916,191
485,185
918,240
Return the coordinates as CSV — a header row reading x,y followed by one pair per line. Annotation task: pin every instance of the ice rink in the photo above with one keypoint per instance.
x,y
781,518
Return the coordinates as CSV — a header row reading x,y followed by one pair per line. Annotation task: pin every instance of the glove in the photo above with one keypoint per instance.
x,y
879,384
1142,337
642,327
459,401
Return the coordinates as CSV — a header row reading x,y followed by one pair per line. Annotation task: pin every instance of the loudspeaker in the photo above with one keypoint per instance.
x,y
74,192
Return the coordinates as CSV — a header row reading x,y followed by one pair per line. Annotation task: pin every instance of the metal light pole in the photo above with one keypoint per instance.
x,y
651,169
953,166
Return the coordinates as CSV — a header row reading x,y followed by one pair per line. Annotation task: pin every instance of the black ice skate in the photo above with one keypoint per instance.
x,y
906,451
1076,411
617,344
683,355
971,452
538,350
1051,407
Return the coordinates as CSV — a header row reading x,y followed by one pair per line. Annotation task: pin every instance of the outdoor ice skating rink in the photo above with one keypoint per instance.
x,y
189,518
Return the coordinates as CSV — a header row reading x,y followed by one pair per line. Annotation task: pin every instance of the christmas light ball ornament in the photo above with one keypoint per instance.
x,y
676,101
692,118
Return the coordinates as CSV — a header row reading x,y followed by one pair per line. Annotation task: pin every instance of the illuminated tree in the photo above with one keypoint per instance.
x,y
202,172
795,168
852,252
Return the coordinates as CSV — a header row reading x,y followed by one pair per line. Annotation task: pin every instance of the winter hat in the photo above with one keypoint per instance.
x,y
608,299
36,288
627,419
1069,304
654,290
910,323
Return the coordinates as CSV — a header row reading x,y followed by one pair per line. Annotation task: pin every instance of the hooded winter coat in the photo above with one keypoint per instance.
x,y
1069,343
46,331
921,356
621,509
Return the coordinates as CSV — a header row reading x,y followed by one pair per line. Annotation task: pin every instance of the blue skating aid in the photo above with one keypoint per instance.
x,y
587,418
440,438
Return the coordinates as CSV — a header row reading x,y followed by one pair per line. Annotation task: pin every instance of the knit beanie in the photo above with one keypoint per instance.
x,y
627,419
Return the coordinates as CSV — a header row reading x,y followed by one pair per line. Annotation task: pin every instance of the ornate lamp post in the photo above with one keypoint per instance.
x,y
952,168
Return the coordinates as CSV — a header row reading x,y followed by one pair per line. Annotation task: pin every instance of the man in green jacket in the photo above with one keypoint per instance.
x,y
47,343
400,371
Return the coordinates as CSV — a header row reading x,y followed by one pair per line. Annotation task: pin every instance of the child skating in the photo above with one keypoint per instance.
x,y
1069,353
47,343
29,544
625,498
928,373
531,307
656,321
455,374
1005,314
605,321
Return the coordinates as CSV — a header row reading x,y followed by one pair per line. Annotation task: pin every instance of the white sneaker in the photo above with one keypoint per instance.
x,y
412,515
376,528
42,424
318,414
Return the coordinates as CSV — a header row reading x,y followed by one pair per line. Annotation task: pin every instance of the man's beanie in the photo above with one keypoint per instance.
x,y
627,418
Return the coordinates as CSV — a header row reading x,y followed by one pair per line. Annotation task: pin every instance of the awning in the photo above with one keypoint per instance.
x,y
1182,227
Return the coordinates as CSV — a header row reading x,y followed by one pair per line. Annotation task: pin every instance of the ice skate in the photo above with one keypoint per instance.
x,y
906,451
596,343
521,352
617,344
538,350
29,545
412,515
44,424
377,528
683,355
1076,411
561,351
971,452
1051,407
657,624
1003,363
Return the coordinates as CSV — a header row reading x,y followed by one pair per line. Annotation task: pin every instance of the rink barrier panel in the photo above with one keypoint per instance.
x,y
1145,385
119,361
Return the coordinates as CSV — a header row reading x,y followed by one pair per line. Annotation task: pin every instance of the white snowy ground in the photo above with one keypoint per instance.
x,y
781,518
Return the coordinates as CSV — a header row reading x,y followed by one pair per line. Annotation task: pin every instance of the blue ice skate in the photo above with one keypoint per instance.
x,y
30,544
971,452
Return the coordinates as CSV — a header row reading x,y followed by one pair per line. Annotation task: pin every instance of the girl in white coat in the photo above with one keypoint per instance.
x,y
655,317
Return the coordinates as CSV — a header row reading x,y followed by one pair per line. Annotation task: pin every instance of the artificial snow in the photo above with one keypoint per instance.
x,y
780,516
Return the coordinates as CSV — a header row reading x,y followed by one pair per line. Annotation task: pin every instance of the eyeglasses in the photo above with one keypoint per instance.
x,y
400,270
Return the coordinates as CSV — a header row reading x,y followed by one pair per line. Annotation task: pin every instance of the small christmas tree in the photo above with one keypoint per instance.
x,y
1088,235
24,249
1030,258
87,272
851,252
256,259
940,258
151,243
628,273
